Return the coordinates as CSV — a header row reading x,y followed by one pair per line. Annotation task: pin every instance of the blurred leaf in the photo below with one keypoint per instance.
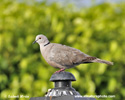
x,y
112,84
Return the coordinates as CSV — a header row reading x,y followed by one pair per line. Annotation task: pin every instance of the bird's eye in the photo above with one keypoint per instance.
x,y
39,37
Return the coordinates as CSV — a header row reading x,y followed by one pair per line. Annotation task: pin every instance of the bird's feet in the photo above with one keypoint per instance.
x,y
61,70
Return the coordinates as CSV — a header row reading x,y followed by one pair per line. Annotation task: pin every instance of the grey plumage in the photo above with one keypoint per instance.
x,y
63,57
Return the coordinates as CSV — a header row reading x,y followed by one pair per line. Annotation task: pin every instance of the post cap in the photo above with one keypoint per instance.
x,y
62,76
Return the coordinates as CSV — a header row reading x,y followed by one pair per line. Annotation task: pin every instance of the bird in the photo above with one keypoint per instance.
x,y
64,57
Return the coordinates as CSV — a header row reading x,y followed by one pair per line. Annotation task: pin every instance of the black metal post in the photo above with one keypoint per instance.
x,y
63,89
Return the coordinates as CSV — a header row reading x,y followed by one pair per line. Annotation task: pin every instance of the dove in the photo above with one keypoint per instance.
x,y
62,56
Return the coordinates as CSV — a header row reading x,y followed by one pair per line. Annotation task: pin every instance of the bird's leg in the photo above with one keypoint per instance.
x,y
61,70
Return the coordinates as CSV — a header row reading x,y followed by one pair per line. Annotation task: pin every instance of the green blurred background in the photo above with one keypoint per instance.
x,y
98,30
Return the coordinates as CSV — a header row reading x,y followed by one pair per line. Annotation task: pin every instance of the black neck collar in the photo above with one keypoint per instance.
x,y
46,44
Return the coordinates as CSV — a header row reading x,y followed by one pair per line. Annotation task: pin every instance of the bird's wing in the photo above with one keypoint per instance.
x,y
66,56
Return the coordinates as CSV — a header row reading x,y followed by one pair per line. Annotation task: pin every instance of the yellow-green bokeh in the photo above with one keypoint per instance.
x,y
98,31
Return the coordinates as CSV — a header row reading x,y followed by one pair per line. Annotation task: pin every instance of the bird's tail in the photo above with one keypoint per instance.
x,y
102,61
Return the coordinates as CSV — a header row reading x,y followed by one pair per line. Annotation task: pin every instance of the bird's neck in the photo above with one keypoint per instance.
x,y
46,44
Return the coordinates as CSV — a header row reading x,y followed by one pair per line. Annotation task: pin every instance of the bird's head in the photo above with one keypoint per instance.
x,y
41,39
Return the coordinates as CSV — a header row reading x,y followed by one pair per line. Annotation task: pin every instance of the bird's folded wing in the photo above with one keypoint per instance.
x,y
66,56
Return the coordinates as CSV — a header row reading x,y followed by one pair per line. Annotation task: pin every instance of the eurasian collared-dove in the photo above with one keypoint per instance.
x,y
62,56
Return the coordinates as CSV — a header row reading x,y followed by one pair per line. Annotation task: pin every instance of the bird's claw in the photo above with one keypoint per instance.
x,y
61,70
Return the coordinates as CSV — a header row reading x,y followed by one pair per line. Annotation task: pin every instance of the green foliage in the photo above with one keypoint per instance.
x,y
97,31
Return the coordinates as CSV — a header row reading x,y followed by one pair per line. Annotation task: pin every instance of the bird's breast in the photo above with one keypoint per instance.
x,y
45,51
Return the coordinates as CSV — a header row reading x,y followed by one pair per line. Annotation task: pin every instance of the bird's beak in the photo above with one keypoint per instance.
x,y
34,42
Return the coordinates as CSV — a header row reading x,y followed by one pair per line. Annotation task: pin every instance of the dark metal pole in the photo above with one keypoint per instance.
x,y
63,89
63,85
